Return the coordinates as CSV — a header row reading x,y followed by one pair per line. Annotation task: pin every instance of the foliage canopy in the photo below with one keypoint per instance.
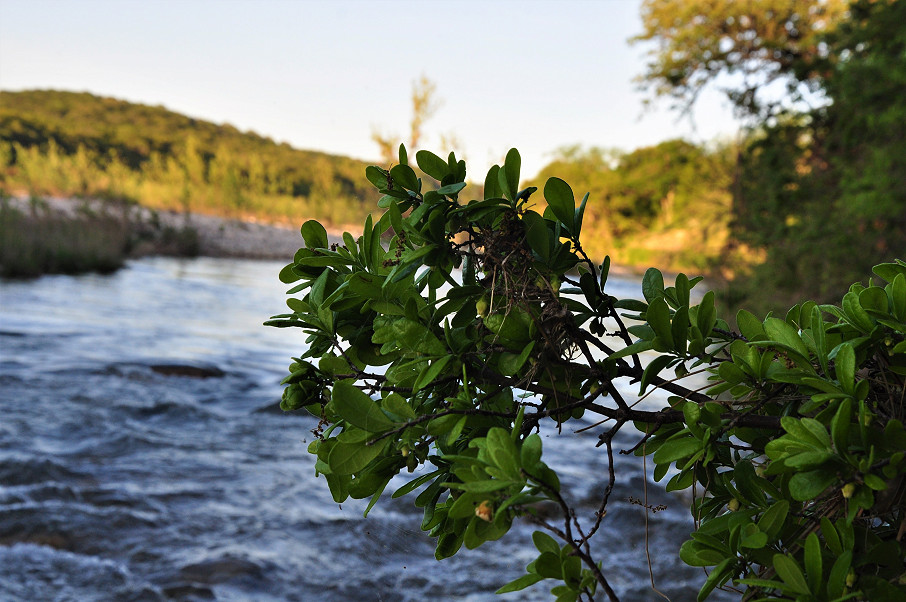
x,y
750,45
822,191
445,347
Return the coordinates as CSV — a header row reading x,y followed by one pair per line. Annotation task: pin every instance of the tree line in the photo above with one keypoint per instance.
x,y
79,144
649,205
818,180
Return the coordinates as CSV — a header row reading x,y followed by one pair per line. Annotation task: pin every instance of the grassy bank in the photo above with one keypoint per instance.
x,y
37,240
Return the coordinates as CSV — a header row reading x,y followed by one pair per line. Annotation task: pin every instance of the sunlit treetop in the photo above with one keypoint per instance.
x,y
756,43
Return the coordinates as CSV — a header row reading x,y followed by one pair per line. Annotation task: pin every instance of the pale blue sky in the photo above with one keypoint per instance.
x,y
322,75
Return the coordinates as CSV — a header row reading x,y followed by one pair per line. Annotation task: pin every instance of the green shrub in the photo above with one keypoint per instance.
x,y
793,452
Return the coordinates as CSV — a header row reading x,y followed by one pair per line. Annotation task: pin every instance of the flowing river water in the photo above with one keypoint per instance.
x,y
142,457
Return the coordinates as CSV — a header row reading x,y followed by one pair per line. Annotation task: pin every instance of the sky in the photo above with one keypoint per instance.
x,y
324,75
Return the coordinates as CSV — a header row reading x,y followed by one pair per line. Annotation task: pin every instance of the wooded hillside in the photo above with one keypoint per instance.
x,y
68,143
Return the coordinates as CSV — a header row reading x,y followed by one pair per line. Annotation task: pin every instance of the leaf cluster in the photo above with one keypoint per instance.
x,y
441,339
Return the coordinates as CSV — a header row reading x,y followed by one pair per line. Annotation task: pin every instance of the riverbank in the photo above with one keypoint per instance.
x,y
67,235
71,235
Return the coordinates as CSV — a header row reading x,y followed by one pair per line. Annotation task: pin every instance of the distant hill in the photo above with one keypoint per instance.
x,y
71,143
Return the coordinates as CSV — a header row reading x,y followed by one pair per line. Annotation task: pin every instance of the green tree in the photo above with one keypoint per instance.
x,y
667,204
818,190
822,192
793,452
867,121
746,46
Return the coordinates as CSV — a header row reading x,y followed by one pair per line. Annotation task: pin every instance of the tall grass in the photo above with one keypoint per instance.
x,y
40,241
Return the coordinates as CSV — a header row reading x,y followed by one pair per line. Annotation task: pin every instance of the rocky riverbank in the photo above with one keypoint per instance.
x,y
126,230
153,232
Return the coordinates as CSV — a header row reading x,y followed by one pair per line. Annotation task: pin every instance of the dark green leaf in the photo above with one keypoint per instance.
x,y
731,373
536,234
840,426
810,484
682,289
448,544
819,336
874,299
780,331
658,316
545,543
855,314
813,568
451,189
561,200
580,216
520,583
637,347
707,314
791,573
404,176
415,484
350,458
830,536
716,578
652,370
503,451
549,565
374,498
694,554
898,297
679,329
508,177
510,363
482,486
750,326
631,305
288,275
377,176
652,285
809,459
752,537
359,409
430,372
432,165
677,449
845,367
314,234
397,404
772,520
889,271
747,483
530,454
836,580
492,189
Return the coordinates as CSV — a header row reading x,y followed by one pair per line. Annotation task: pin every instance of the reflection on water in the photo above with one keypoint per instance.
x,y
120,480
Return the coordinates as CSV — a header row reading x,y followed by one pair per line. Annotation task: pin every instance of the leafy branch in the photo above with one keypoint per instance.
x,y
450,332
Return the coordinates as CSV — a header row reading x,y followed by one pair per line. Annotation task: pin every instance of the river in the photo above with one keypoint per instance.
x,y
122,479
